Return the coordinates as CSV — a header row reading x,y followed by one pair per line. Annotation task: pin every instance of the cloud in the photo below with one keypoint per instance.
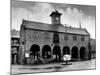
x,y
40,12
17,16
71,16
89,23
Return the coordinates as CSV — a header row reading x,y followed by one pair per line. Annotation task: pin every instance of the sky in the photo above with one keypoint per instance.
x,y
72,14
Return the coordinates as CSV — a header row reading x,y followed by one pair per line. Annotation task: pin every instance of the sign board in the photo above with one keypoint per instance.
x,y
26,54
66,57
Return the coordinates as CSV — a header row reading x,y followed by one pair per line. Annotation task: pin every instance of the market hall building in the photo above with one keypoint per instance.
x,y
47,42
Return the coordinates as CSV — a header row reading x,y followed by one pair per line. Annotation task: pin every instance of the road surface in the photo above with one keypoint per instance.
x,y
54,67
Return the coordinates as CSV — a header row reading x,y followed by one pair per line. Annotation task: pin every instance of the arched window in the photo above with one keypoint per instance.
x,y
55,38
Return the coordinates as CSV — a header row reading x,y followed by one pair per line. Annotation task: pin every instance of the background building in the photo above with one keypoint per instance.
x,y
93,48
47,42
15,39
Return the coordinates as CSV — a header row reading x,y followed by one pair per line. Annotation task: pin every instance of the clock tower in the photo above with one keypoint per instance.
x,y
55,17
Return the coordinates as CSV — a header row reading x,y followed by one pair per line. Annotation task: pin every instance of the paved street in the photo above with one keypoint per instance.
x,y
54,67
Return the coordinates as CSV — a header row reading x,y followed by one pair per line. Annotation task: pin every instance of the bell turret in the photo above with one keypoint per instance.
x,y
55,17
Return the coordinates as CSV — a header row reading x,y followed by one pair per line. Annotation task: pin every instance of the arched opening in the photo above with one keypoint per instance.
x,y
35,51
57,52
75,53
82,53
46,52
66,50
55,38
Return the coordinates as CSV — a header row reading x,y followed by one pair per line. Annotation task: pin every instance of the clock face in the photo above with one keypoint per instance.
x,y
57,18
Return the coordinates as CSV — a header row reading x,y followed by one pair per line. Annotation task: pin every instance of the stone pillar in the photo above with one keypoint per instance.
x,y
15,58
40,53
71,52
78,54
51,52
87,54
61,53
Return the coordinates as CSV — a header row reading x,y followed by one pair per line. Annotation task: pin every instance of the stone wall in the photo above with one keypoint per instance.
x,y
42,38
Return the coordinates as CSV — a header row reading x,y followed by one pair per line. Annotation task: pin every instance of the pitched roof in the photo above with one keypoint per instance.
x,y
55,13
50,27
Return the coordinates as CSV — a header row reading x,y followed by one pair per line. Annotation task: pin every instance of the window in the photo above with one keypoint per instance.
x,y
14,50
46,35
82,38
15,42
65,37
35,36
74,37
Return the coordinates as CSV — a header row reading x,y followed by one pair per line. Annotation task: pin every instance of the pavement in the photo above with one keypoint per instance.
x,y
53,67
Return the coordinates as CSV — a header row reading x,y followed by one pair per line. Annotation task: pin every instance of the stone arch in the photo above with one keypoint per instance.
x,y
82,53
74,53
46,52
57,52
35,49
66,50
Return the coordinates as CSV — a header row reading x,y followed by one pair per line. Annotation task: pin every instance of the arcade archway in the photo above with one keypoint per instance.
x,y
74,53
46,52
66,50
82,53
35,51
57,52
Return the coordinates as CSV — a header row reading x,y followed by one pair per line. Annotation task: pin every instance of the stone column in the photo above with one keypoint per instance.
x,y
71,52
61,53
40,53
78,54
51,52
15,58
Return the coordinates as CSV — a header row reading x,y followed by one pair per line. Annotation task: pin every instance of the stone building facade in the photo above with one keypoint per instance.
x,y
47,42
15,40
93,48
